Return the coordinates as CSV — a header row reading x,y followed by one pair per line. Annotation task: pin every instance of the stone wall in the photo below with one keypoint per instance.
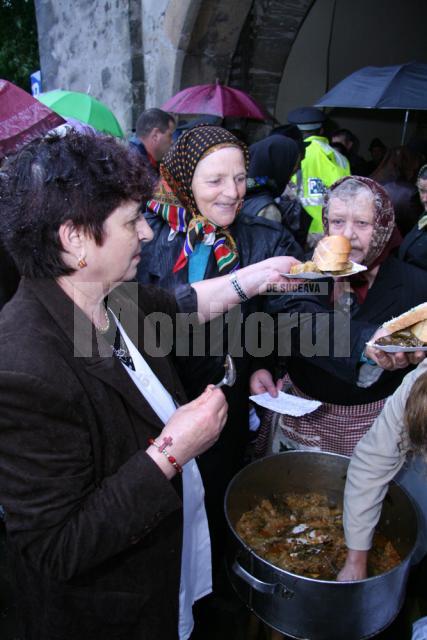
x,y
86,46
135,54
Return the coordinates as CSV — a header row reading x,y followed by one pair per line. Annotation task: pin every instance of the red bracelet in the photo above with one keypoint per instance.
x,y
170,458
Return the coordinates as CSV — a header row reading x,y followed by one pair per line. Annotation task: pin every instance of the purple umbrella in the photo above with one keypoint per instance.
x,y
22,118
217,100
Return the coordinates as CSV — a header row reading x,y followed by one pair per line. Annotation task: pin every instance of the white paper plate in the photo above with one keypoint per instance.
x,y
312,275
393,348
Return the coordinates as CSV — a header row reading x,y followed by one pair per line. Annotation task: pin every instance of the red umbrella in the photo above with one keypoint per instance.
x,y
217,100
22,118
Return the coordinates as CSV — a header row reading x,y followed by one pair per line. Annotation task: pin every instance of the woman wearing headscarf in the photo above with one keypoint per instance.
x,y
199,234
329,360
272,162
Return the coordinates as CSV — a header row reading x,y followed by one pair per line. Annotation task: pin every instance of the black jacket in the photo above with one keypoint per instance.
x,y
331,377
293,217
95,525
257,239
414,248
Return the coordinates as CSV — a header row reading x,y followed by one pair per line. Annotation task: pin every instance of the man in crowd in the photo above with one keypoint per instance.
x,y
154,135
321,166
377,149
350,143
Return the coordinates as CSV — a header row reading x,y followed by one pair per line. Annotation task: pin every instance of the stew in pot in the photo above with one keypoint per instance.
x,y
303,534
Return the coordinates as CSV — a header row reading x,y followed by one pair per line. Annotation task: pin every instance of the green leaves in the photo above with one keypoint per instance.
x,y
19,54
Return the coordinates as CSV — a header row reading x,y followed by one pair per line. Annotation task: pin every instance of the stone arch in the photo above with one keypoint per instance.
x,y
214,37
244,44
189,42
264,45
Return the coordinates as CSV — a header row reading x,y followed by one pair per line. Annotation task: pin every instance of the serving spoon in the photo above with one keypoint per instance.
x,y
230,373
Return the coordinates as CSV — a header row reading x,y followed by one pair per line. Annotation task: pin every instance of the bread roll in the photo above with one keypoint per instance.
x,y
420,330
407,319
331,253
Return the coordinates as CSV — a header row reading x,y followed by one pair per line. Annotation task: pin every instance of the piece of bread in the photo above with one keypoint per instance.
x,y
331,253
407,319
420,330
305,267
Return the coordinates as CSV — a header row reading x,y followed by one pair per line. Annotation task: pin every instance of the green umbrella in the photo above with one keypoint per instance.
x,y
83,107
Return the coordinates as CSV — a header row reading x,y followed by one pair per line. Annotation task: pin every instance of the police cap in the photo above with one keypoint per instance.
x,y
307,118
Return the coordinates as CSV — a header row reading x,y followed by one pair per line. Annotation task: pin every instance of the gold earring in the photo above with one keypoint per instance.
x,y
82,263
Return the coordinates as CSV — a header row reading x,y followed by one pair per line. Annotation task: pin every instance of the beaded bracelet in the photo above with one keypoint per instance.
x,y
237,288
170,458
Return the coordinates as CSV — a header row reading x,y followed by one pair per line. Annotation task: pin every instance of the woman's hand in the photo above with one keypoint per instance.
x,y
262,381
355,567
192,429
256,277
215,296
391,361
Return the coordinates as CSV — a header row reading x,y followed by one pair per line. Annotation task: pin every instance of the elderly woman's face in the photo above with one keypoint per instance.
x,y
353,219
219,185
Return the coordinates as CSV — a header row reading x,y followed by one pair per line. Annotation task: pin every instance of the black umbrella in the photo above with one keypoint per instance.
x,y
401,86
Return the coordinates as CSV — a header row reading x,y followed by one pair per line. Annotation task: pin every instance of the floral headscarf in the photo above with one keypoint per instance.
x,y
384,222
174,199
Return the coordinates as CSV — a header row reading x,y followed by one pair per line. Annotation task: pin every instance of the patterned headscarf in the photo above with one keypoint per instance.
x,y
384,223
174,199
385,235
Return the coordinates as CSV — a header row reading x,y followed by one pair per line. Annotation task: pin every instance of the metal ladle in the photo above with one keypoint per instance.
x,y
230,373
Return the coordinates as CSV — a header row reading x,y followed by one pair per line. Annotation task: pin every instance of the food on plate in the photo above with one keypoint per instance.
x,y
332,253
305,267
407,330
303,534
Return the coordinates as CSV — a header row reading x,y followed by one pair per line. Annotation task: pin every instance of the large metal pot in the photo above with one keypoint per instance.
x,y
304,607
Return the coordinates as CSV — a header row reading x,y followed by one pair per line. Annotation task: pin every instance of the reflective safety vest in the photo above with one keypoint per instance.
x,y
321,167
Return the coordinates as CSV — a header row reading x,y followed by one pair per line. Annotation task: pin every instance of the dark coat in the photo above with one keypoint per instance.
x,y
406,203
293,217
413,249
256,239
9,277
94,525
138,146
397,288
272,163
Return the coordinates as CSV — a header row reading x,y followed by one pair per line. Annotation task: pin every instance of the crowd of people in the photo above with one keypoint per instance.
x,y
130,272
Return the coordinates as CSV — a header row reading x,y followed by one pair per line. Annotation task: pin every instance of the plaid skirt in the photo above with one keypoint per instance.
x,y
332,427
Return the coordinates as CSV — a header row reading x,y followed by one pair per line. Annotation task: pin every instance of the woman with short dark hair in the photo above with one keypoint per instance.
x,y
103,498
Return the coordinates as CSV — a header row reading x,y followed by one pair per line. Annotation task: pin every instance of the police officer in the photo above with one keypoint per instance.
x,y
321,166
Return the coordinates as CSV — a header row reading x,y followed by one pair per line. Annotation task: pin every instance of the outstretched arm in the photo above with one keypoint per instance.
x,y
375,461
216,295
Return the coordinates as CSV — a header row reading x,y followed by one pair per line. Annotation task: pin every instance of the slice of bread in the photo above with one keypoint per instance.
x,y
420,330
407,319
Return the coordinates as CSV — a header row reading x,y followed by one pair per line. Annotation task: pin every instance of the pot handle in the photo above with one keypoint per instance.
x,y
275,588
